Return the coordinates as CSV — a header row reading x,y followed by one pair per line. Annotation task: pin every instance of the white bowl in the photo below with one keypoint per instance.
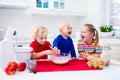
x,y
61,59
22,53
106,34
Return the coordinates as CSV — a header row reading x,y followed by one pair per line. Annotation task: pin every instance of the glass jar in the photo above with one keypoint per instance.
x,y
31,65
106,52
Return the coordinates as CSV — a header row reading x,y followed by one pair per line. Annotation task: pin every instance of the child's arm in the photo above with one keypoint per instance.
x,y
40,54
92,56
83,54
97,52
95,55
86,55
55,50
46,52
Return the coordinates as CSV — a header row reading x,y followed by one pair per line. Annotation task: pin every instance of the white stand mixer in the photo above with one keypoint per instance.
x,y
7,53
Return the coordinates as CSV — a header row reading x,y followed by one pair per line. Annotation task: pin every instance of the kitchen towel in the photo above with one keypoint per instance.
x,y
72,65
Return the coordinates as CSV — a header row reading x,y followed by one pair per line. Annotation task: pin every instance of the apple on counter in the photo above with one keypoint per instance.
x,y
21,66
13,66
14,63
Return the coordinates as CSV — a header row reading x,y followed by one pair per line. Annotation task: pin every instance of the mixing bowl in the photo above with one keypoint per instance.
x,y
62,58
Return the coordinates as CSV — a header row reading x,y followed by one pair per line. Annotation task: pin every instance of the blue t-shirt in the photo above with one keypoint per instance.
x,y
65,45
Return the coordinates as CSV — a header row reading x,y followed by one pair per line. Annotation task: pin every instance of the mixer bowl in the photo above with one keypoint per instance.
x,y
60,59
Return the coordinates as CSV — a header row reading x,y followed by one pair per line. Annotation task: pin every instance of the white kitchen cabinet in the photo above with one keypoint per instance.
x,y
115,53
13,4
68,8
115,46
76,6
115,49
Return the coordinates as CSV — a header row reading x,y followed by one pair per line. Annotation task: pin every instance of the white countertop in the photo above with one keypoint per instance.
x,y
110,41
108,73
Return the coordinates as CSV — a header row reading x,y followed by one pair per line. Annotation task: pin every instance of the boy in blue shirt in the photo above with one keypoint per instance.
x,y
63,41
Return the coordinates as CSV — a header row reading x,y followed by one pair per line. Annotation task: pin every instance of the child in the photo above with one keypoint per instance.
x,y
63,40
88,47
41,47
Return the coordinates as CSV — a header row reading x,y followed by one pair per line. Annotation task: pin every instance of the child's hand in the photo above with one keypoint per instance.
x,y
81,54
55,50
84,54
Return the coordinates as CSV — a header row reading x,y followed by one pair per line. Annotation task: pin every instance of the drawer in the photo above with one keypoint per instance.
x,y
115,49
115,56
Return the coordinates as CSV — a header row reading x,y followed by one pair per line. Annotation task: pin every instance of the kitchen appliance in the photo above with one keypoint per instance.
x,y
7,53
10,53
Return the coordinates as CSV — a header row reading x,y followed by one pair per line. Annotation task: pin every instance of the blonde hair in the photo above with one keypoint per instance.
x,y
39,30
62,25
92,29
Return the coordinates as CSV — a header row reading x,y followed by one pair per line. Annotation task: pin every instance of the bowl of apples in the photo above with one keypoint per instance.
x,y
60,59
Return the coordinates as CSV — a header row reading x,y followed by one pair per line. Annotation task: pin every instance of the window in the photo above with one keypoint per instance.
x,y
46,4
59,4
115,13
42,4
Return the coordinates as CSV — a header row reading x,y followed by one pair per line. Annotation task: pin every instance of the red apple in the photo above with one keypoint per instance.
x,y
21,66
10,69
13,63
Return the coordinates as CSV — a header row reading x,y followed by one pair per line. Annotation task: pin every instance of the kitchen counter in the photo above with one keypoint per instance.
x,y
108,73
110,41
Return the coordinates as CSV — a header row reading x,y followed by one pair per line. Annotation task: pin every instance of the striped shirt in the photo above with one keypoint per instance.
x,y
90,48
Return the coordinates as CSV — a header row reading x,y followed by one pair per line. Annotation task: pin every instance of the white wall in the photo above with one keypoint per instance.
x,y
24,23
96,13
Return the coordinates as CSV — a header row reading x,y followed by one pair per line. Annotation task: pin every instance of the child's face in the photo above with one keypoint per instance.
x,y
41,39
67,30
86,35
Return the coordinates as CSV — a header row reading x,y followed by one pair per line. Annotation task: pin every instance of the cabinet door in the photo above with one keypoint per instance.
x,y
115,49
49,4
76,6
61,7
